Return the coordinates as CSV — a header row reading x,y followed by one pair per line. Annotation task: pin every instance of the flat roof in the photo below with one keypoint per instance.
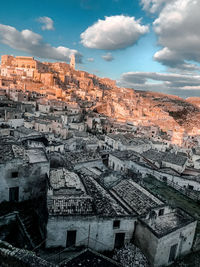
x,y
169,222
36,155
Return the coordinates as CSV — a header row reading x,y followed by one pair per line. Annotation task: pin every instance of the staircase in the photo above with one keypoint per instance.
x,y
30,222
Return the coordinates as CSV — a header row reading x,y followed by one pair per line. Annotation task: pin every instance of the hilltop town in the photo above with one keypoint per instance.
x,y
89,166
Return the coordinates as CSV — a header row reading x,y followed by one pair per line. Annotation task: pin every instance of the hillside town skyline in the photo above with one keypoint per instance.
x,y
123,40
87,157
100,133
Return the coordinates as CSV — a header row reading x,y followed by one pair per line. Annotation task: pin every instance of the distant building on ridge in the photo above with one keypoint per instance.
x,y
72,61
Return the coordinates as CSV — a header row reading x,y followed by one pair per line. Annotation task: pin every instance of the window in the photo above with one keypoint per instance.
x,y
116,224
14,174
161,212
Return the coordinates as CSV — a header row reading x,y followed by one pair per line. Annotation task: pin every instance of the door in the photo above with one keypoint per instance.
x,y
14,194
119,240
172,254
71,238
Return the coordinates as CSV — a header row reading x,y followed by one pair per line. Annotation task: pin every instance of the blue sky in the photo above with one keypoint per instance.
x,y
126,40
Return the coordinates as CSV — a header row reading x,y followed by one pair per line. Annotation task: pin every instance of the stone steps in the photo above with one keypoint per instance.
x,y
30,222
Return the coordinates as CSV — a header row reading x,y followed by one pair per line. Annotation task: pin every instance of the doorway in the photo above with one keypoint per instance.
x,y
71,238
119,240
14,194
172,254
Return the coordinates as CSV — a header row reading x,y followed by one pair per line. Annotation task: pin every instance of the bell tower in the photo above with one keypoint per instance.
x,y
72,61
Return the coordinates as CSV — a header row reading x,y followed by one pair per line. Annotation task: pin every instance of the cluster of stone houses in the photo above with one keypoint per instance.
x,y
83,210
82,164
83,213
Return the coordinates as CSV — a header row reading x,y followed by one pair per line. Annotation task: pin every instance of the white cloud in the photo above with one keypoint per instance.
x,y
33,43
161,81
114,32
177,27
90,59
108,57
154,6
47,23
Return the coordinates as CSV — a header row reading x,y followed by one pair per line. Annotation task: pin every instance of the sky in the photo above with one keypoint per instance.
x,y
143,44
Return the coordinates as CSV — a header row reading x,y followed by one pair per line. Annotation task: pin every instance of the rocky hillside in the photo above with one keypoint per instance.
x,y
60,81
194,100
149,108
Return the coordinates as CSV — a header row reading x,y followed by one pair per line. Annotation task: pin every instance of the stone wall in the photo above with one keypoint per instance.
x,y
92,231
31,179
157,249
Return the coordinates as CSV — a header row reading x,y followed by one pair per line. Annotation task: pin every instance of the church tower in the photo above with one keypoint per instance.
x,y
72,61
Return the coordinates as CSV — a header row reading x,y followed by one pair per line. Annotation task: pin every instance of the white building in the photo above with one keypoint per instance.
x,y
23,172
79,218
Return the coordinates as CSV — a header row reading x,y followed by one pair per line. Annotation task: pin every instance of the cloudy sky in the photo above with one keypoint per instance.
x,y
143,44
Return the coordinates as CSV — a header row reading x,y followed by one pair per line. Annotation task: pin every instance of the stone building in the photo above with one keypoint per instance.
x,y
174,161
125,161
23,172
21,62
127,142
82,213
165,234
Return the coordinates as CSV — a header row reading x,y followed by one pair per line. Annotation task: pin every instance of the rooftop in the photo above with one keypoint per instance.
x,y
135,197
27,131
125,155
36,155
75,157
104,203
169,222
159,156
10,151
62,178
67,194
129,139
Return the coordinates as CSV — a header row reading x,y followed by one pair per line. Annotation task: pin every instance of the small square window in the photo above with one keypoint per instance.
x,y
161,212
116,224
14,174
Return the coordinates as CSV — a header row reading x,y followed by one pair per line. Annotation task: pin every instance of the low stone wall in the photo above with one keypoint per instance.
x,y
11,256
